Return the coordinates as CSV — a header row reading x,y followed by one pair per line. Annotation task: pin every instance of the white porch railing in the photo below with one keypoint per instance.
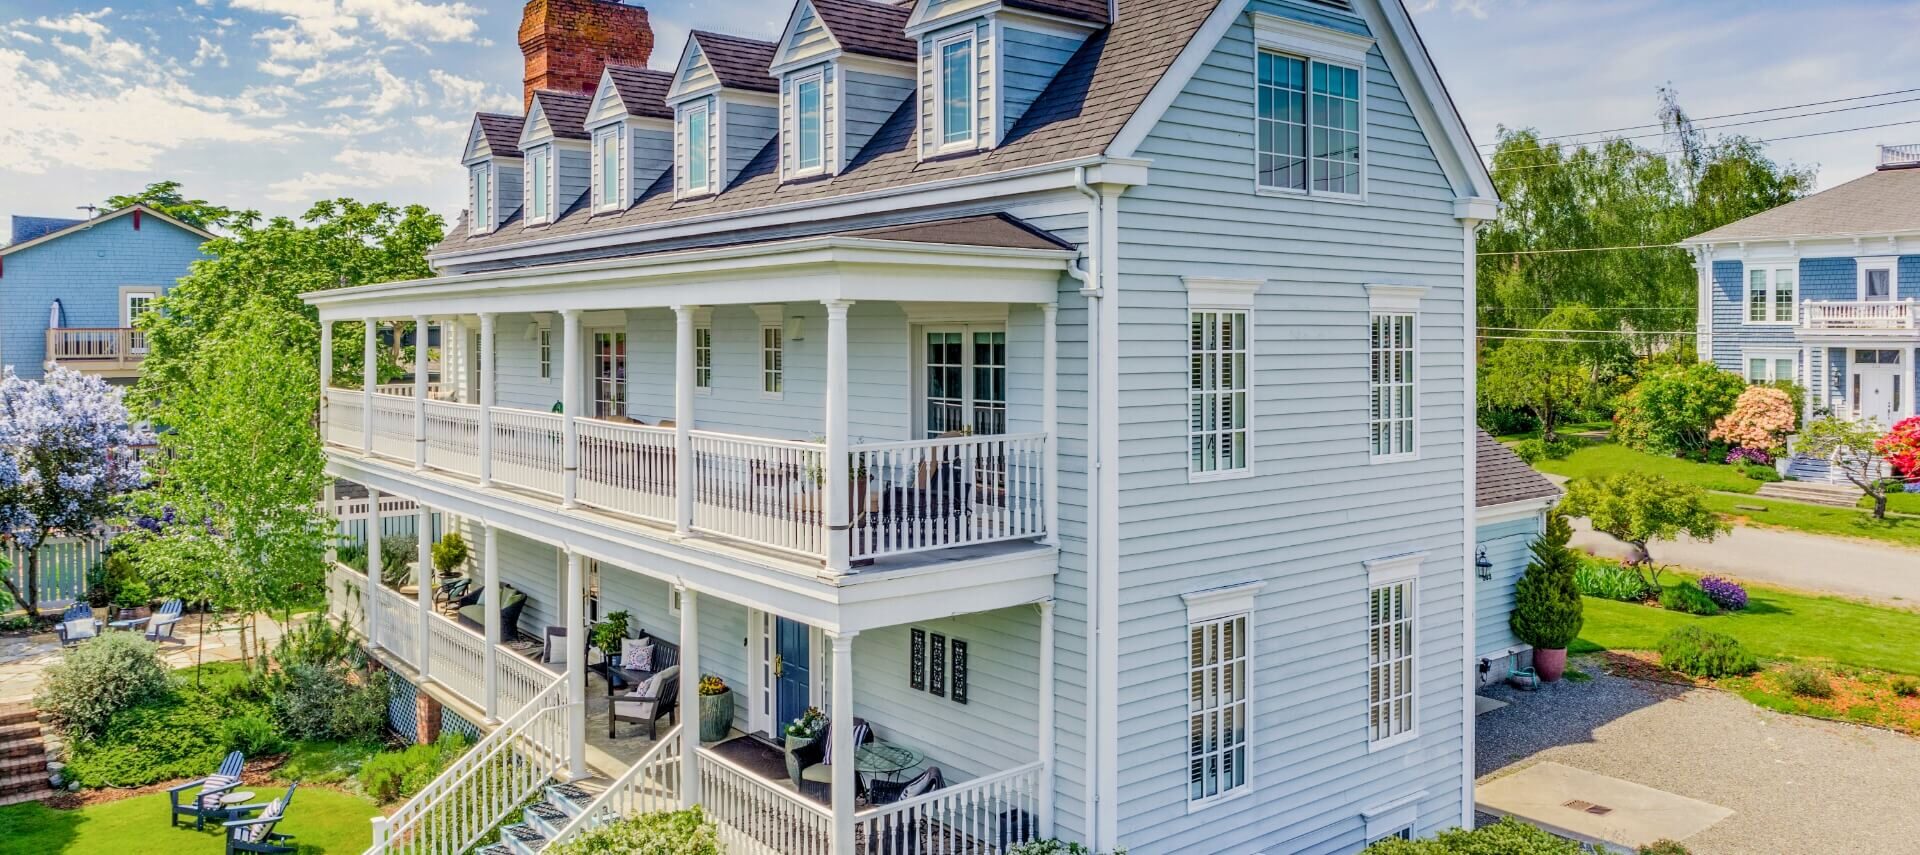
x,y
985,816
767,491
758,818
459,658
344,408
397,622
405,390
529,450
453,437
937,493
520,680
494,777
626,469
650,785
393,426
347,598
1860,315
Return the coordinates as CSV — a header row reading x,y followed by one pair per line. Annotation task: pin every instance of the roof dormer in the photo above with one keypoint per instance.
x,y
493,161
844,67
556,151
726,110
982,63
631,129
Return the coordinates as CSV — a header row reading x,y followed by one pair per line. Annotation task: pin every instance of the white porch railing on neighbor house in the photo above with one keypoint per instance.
x,y
97,347
757,817
471,796
985,816
1860,315
650,785
393,426
405,390
766,491
1893,155
627,469
938,493
529,450
453,437
344,408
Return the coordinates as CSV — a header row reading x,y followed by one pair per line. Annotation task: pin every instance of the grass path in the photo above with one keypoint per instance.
x,y
322,821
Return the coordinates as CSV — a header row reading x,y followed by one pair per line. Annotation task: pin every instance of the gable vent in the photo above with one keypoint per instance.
x,y
1337,4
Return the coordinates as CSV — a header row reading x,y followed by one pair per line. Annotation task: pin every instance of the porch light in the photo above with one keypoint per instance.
x,y
1484,565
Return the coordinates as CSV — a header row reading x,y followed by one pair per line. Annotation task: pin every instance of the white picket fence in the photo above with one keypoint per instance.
x,y
64,564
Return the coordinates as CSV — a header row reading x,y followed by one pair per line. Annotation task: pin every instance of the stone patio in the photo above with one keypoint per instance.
x,y
24,657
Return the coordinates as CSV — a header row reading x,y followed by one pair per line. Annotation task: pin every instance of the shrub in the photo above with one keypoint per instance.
x,y
182,733
317,642
331,702
395,553
1724,592
1901,447
1806,681
1904,686
1761,419
394,775
1547,611
1506,421
1599,577
1763,474
1702,653
450,553
1689,598
1675,409
99,678
1509,836
252,734
1641,507
1665,847
1535,450
684,832
1749,455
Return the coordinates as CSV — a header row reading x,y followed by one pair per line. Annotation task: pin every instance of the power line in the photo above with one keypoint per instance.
x,y
1549,340
1580,249
1596,332
1595,308
1717,147
1735,124
1724,115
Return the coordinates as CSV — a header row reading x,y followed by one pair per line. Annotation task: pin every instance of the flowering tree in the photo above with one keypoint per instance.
x,y
1901,448
66,462
1761,419
1848,446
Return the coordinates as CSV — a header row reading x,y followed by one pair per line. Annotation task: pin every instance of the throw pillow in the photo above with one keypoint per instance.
x,y
636,654
209,798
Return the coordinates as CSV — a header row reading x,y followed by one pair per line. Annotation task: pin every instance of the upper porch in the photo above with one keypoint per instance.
x,y
1858,317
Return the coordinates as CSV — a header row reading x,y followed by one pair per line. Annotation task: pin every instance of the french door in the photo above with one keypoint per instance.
x,y
609,373
1878,379
964,380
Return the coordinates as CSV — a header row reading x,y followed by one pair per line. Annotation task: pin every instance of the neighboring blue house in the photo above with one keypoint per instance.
x,y
1512,500
71,289
1073,396
1824,291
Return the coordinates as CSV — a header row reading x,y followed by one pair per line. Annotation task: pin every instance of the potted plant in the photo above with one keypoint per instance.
x,y
450,554
133,599
716,709
1546,601
608,634
800,733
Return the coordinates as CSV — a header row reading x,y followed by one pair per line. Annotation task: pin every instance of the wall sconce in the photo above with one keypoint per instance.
x,y
796,328
1482,564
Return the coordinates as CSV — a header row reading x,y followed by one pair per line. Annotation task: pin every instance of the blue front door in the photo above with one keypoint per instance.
x,y
793,686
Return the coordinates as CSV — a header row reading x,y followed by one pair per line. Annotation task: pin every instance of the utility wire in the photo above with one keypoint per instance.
x,y
1595,308
1729,124
1596,332
1551,340
1580,249
1717,147
1725,115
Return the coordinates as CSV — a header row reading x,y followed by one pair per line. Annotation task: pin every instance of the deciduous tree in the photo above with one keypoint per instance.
x,y
1848,446
1639,508
1761,419
165,197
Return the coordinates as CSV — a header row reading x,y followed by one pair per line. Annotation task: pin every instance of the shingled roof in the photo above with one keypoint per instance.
x,y
739,63
1502,478
1085,10
642,91
566,112
1078,115
1879,203
502,133
31,228
868,28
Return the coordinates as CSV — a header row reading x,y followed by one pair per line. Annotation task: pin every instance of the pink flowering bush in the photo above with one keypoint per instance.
x,y
1761,419
1901,448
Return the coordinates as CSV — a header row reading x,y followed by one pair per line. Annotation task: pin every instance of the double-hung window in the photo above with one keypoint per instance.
x,y
1877,279
1217,391
958,86
809,110
546,353
1309,125
702,359
699,149
540,187
482,179
1771,367
1772,295
1392,675
773,371
606,146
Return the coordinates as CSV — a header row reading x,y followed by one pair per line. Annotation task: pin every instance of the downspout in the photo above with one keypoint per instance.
x,y
1090,289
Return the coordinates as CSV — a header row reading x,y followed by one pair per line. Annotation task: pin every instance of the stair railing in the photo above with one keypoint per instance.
x,y
497,775
648,786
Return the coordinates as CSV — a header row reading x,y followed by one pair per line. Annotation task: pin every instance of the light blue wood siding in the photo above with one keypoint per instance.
x,y
509,195
572,175
1909,275
1731,335
810,37
1506,545
1315,509
749,128
651,152
984,52
995,730
870,100
713,144
531,567
1032,59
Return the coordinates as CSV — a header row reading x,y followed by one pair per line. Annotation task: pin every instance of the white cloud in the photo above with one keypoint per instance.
x,y
391,92
362,170
458,89
413,19
209,52
102,50
25,36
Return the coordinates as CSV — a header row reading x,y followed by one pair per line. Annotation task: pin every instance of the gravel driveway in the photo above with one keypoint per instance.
x,y
1796,785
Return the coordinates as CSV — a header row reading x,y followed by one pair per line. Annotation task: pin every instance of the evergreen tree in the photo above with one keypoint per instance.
x,y
1546,602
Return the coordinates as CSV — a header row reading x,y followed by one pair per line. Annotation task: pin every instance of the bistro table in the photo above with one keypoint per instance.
x,y
886,759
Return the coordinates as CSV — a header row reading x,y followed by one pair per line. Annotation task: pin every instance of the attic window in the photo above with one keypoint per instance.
x,y
958,92
699,150
809,119
540,183
482,223
606,152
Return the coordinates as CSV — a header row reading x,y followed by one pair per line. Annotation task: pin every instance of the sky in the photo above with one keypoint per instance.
x,y
273,104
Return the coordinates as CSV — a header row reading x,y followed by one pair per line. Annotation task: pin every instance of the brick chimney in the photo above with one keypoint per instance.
x,y
568,42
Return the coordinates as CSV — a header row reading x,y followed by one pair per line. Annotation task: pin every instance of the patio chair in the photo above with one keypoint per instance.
x,y
257,834
163,621
452,592
905,838
811,766
77,624
205,804
655,699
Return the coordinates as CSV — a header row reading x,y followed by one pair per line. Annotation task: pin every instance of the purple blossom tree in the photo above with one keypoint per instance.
x,y
67,461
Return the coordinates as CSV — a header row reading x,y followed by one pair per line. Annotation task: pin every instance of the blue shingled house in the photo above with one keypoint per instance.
x,y
71,289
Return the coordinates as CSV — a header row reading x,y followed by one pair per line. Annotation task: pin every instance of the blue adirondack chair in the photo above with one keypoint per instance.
x,y
164,620
257,834
206,804
77,625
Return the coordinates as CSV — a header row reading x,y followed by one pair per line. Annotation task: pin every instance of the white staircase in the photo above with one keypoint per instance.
x,y
543,821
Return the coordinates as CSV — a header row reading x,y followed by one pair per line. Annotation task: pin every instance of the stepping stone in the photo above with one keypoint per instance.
x,y
1621,816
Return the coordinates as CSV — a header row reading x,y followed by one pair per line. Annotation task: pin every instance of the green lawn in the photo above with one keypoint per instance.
x,y
1566,430
321,821
1607,458
1776,624
1817,519
1898,503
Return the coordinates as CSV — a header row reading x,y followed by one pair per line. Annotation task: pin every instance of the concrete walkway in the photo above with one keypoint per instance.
x,y
1787,558
23,657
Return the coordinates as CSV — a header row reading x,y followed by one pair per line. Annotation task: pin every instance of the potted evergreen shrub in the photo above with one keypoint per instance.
x,y
450,554
608,635
1546,601
716,709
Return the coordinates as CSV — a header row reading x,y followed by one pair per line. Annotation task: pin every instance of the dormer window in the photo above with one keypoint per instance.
x,y
958,92
606,156
540,184
699,150
809,115
482,222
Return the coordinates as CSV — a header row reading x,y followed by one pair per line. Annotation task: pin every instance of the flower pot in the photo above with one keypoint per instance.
x,y
795,743
716,716
1549,664
132,612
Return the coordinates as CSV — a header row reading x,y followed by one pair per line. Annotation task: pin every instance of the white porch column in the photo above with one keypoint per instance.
x,y
841,737
326,381
489,603
1806,382
423,578
683,419
369,378
374,594
689,716
576,624
1044,714
487,323
419,397
1050,421
839,521
330,504
571,378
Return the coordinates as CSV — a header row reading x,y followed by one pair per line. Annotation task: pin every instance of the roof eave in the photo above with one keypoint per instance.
x,y
88,224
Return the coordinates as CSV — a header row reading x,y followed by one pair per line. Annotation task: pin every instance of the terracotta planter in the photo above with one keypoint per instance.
x,y
1549,664
716,716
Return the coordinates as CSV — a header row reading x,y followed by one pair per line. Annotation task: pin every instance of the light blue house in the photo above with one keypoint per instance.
x,y
71,289
1078,396
1512,500
1824,291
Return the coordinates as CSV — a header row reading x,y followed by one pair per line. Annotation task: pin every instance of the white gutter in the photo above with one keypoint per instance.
x,y
1090,289
1471,212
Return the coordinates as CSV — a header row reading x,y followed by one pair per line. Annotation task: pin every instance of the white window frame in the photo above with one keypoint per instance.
x,y
480,197
673,600
941,143
540,187
1772,357
773,360
127,314
607,140
703,359
1403,572
1396,818
1390,301
623,377
544,336
1772,275
800,168
705,113
1889,263
1313,44
1213,295
1219,607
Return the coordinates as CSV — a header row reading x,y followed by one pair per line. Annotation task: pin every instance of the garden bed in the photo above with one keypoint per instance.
x,y
1858,695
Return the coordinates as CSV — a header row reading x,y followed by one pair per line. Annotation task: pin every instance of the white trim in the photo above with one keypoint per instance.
x,y
1889,263
1288,35
1771,355
940,145
529,186
1413,380
1395,299
1401,572
818,77
1772,270
483,222
1395,568
81,227
1216,603
1210,292
1245,707
1510,511
683,140
612,136
1218,390
954,313
128,292
1310,57
1389,818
